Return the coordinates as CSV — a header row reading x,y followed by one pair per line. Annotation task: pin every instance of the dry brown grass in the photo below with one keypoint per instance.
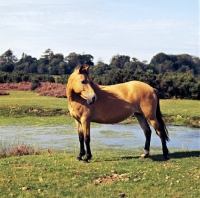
x,y
52,89
18,150
21,149
46,88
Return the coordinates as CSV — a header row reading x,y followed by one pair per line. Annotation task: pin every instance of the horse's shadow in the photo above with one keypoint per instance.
x,y
153,157
174,155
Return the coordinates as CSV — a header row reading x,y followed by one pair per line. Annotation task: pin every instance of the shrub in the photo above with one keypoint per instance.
x,y
2,92
35,85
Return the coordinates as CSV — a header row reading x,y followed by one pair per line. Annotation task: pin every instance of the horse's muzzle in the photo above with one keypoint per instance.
x,y
92,100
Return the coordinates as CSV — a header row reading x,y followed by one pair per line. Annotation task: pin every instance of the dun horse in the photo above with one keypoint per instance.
x,y
90,102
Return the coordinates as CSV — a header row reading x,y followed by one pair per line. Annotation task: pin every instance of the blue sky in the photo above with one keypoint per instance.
x,y
102,28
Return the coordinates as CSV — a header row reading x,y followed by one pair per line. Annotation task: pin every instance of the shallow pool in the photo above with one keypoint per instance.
x,y
102,136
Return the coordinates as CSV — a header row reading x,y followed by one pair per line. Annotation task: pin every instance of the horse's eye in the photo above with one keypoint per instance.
x,y
83,81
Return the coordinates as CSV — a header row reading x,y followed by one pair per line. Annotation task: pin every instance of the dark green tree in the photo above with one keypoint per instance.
x,y
119,61
7,61
43,62
100,68
74,59
48,54
159,59
26,64
54,62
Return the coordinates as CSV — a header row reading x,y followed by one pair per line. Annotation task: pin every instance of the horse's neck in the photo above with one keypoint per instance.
x,y
97,88
72,96
101,89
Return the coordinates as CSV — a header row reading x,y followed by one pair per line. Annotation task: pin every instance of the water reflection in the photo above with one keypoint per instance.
x,y
118,136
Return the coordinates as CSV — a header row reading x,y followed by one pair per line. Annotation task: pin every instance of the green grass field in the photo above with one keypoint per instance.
x,y
180,107
28,98
111,173
28,108
182,112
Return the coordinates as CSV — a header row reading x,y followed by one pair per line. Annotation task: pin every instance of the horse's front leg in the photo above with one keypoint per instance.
x,y
86,131
81,140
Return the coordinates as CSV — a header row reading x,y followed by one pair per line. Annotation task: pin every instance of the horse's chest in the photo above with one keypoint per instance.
x,y
77,111
74,113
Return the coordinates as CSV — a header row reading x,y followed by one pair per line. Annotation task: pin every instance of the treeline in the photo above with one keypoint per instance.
x,y
49,63
173,75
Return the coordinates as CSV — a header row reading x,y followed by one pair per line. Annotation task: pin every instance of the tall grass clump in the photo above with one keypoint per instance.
x,y
17,150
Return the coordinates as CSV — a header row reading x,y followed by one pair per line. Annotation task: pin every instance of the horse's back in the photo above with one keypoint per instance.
x,y
131,91
117,102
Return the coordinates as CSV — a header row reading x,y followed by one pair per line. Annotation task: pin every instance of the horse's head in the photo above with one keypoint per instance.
x,y
80,83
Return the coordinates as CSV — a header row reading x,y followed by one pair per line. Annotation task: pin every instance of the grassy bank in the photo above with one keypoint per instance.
x,y
32,108
181,112
28,108
109,174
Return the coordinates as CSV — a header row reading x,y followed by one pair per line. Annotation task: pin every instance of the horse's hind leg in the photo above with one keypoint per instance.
x,y
81,140
160,130
147,131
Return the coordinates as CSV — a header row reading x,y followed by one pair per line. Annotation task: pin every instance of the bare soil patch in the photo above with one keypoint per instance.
x,y
112,178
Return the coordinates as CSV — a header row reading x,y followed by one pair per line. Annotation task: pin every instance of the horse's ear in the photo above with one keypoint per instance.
x,y
80,69
84,69
87,67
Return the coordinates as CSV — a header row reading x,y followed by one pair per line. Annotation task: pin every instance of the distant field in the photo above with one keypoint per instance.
x,y
180,107
178,112
181,112
29,98
14,106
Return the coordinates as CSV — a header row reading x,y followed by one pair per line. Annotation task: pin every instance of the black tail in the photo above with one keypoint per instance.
x,y
160,120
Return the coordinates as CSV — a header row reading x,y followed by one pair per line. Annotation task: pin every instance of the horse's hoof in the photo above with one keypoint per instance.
x,y
85,161
165,158
79,158
143,156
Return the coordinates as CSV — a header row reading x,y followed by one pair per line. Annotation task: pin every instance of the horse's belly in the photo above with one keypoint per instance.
x,y
110,117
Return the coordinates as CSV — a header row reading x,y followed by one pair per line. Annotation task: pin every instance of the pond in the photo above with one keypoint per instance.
x,y
102,136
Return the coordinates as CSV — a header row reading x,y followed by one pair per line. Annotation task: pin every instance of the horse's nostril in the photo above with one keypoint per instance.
x,y
93,99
